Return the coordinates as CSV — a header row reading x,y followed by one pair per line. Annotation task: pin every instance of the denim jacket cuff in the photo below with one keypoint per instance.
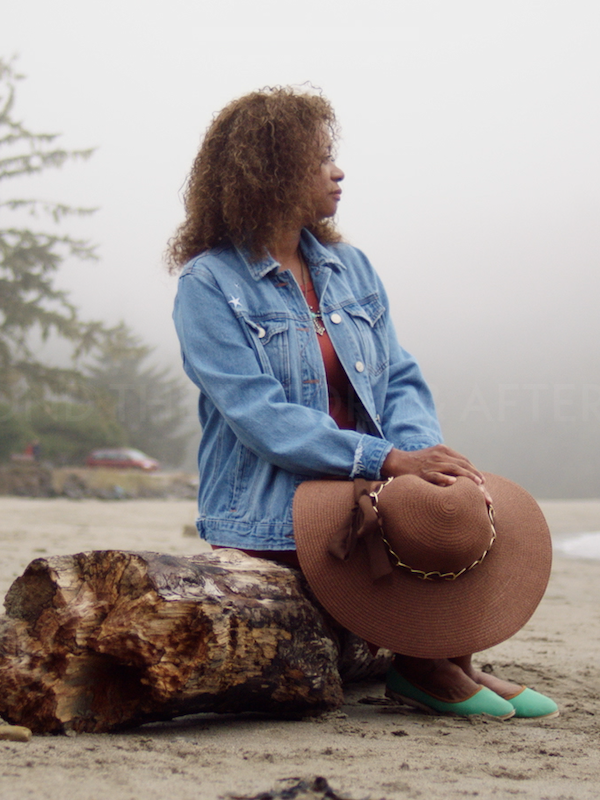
x,y
369,457
419,443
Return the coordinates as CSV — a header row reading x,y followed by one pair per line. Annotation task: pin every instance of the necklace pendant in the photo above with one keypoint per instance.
x,y
317,322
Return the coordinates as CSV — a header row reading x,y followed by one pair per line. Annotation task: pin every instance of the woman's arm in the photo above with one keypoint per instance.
x,y
438,464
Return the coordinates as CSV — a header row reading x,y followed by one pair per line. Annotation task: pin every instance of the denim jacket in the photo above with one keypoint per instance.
x,y
248,343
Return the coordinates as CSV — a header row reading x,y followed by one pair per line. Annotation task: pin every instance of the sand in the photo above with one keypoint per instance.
x,y
365,749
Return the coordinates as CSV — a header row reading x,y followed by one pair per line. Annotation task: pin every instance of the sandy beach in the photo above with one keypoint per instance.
x,y
365,750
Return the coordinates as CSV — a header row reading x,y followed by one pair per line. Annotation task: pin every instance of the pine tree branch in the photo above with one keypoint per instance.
x,y
45,207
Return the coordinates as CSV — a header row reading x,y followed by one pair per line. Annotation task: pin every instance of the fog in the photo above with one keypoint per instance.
x,y
470,138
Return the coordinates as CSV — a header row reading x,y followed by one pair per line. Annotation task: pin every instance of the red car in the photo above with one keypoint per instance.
x,y
121,458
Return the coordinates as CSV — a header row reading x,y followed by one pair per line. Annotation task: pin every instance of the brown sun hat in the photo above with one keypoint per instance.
x,y
470,575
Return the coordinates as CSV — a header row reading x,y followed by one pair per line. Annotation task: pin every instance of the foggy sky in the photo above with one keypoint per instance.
x,y
470,136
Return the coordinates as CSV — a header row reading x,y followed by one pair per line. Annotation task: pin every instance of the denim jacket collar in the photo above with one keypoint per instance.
x,y
312,249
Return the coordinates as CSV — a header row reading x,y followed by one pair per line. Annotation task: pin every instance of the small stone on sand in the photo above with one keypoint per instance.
x,y
14,733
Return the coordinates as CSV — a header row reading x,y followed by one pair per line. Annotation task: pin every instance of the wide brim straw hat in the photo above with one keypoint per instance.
x,y
420,569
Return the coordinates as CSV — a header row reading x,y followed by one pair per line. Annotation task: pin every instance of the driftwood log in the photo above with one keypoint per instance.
x,y
104,640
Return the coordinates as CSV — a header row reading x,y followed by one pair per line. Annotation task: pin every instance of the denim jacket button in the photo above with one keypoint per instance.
x,y
261,333
359,366
336,318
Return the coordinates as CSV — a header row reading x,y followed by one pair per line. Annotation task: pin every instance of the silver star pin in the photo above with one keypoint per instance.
x,y
235,301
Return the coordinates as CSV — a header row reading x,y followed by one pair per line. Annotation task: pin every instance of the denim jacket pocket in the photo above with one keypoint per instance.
x,y
370,309
369,322
270,340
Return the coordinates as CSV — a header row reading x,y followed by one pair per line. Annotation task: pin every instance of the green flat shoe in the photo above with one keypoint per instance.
x,y
529,704
483,701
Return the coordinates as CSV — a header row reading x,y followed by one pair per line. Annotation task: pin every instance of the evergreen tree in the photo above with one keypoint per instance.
x,y
117,400
146,401
31,308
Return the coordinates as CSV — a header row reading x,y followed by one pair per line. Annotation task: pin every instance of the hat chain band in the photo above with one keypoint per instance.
x,y
428,576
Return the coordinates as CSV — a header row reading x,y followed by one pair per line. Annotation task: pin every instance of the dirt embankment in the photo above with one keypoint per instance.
x,y
35,480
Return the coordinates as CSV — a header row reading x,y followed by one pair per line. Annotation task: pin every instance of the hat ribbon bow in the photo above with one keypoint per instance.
x,y
364,523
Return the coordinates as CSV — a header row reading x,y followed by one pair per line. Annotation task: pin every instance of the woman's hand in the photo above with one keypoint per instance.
x,y
439,464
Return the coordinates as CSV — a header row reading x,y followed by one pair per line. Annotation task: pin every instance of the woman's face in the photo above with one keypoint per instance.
x,y
327,191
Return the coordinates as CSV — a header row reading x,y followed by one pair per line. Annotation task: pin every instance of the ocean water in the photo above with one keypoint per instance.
x,y
580,545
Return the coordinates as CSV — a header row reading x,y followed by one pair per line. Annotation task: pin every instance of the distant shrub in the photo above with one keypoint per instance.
x,y
15,432
68,431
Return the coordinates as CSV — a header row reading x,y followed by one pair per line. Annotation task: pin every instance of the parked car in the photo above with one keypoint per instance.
x,y
121,458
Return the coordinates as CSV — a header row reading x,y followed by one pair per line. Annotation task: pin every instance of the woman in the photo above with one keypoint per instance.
x,y
287,333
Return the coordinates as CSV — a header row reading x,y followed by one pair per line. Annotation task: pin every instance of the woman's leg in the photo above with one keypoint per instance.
x,y
287,557
451,679
505,689
440,677
440,685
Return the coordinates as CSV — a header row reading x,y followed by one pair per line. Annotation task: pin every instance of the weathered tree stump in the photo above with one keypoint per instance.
x,y
110,639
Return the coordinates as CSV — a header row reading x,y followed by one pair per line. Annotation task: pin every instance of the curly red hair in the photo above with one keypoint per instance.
x,y
253,174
